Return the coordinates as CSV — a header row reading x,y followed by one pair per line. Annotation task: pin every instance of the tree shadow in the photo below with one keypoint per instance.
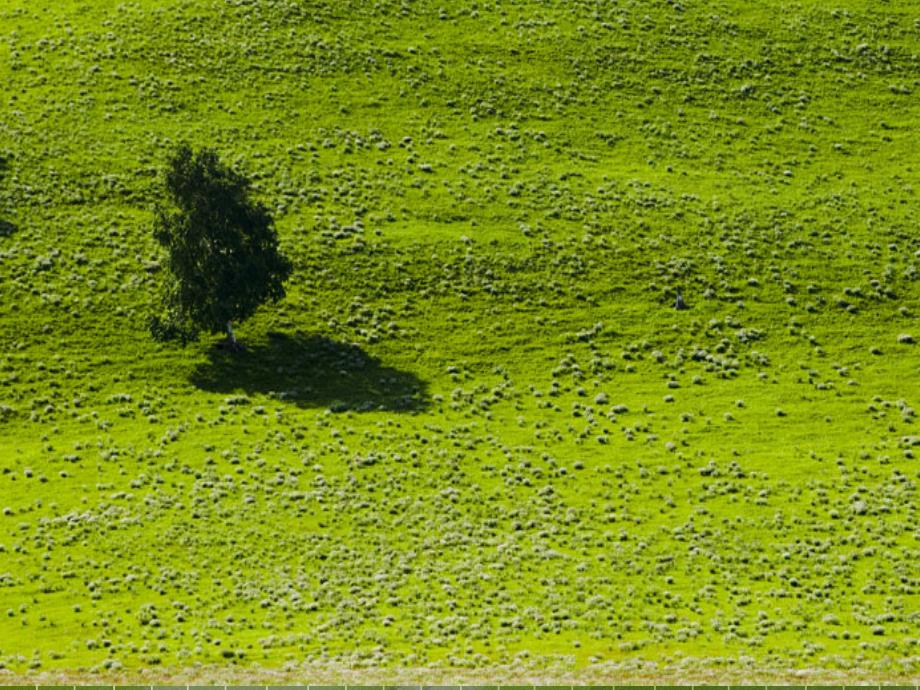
x,y
311,371
7,228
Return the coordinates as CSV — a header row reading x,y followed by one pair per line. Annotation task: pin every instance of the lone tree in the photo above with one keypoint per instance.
x,y
222,250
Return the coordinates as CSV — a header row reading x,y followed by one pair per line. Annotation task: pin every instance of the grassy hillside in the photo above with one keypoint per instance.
x,y
475,434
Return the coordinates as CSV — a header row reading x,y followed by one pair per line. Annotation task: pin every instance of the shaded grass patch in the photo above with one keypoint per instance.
x,y
312,371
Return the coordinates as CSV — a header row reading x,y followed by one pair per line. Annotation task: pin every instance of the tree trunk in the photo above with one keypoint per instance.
x,y
232,342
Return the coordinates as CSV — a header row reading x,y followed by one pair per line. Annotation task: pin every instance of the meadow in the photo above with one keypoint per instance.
x,y
476,440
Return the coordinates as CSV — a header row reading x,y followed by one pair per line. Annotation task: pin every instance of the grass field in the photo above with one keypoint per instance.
x,y
475,435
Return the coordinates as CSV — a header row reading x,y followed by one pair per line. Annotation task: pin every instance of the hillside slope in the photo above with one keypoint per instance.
x,y
475,434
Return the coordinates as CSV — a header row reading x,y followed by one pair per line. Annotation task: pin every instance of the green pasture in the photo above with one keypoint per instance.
x,y
476,433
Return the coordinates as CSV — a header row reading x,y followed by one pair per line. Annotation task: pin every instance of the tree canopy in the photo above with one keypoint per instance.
x,y
222,255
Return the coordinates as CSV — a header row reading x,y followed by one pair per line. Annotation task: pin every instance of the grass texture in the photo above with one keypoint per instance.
x,y
475,434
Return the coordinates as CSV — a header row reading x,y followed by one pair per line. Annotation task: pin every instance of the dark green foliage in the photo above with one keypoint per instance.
x,y
222,250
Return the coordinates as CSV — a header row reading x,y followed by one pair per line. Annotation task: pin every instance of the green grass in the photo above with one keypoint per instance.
x,y
475,434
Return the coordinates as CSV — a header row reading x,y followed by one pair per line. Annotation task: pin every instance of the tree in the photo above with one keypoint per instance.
x,y
222,250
